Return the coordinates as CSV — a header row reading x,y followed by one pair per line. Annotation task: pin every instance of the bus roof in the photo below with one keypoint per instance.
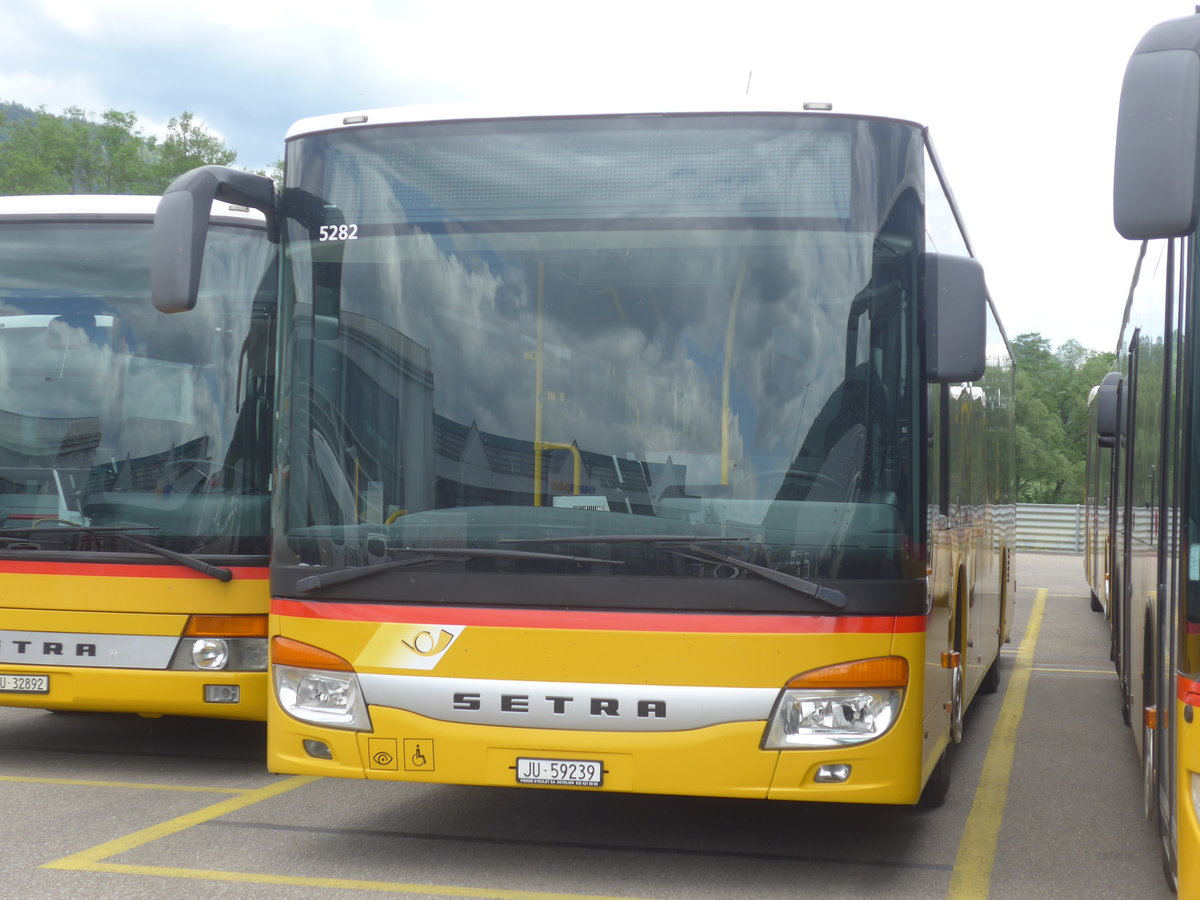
x,y
449,112
126,206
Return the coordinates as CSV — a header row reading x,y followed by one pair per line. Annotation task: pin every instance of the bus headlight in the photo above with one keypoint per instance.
x,y
321,697
848,703
221,654
210,653
830,718
223,643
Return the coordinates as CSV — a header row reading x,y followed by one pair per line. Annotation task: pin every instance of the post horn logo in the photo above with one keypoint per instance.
x,y
424,643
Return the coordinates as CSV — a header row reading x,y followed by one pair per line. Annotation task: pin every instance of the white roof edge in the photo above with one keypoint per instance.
x,y
446,112
66,205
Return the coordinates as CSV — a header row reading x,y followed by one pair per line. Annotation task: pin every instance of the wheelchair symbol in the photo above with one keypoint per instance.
x,y
418,755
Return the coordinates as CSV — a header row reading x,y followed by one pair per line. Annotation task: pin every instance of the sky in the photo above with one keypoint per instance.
x,y
1021,97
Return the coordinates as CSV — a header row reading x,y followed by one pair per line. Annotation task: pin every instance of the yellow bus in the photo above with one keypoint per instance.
x,y
663,452
1099,494
1144,494
134,464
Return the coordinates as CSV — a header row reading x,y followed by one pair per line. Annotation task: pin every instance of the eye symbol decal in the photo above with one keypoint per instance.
x,y
424,643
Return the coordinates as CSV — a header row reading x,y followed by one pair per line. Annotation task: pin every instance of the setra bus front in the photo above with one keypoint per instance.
x,y
601,457
134,465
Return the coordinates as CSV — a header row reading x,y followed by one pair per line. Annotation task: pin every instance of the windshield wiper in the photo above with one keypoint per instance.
x,y
121,533
429,555
827,595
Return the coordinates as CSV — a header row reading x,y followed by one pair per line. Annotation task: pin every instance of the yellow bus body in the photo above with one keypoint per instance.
x,y
50,610
1187,748
718,760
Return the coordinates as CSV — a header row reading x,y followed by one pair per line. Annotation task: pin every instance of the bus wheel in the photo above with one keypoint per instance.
x,y
1096,605
938,785
1170,864
991,679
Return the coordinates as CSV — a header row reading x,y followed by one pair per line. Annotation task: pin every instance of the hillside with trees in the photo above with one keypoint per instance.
x,y
1052,416
80,152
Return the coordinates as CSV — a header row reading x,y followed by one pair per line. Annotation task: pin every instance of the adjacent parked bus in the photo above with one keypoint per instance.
x,y
1099,495
134,464
664,453
1146,495
1097,502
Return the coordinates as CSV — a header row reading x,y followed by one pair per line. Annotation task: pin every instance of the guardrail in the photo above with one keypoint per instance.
x,y
1050,527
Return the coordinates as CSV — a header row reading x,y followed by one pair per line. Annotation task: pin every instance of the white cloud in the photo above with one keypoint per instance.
x,y
1021,97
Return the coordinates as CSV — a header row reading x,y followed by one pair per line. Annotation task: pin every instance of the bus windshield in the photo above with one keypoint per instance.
x,y
114,418
664,346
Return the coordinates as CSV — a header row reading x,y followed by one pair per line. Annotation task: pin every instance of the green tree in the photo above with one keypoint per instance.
x,y
41,154
1052,416
80,153
120,155
189,145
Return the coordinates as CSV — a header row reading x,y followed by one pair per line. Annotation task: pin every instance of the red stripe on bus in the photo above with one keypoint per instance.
x,y
599,621
122,570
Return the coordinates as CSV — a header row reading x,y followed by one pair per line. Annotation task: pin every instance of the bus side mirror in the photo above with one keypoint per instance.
x,y
181,226
955,319
1108,409
1155,177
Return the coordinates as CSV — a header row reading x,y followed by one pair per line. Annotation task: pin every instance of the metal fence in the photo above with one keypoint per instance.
x,y
1050,527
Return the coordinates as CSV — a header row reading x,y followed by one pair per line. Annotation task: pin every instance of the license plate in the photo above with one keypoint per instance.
x,y
24,684
569,772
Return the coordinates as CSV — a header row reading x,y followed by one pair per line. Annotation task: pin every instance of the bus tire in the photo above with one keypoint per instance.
x,y
934,793
991,679
958,680
1096,605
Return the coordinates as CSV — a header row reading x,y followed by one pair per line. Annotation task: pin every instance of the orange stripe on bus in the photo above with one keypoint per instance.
x,y
121,570
1188,690
600,620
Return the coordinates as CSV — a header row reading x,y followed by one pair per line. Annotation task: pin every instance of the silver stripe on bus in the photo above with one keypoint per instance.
x,y
575,706
116,651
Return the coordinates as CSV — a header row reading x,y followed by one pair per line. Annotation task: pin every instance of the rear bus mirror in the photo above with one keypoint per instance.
x,y
955,319
181,227
1108,409
1155,173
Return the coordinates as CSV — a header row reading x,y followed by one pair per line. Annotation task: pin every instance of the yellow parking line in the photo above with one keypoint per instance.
x,y
972,874
134,785
87,859
386,887
93,858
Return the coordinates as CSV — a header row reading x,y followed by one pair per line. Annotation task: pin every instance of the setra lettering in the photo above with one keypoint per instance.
x,y
604,706
468,702
514,703
52,648
559,705
652,709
